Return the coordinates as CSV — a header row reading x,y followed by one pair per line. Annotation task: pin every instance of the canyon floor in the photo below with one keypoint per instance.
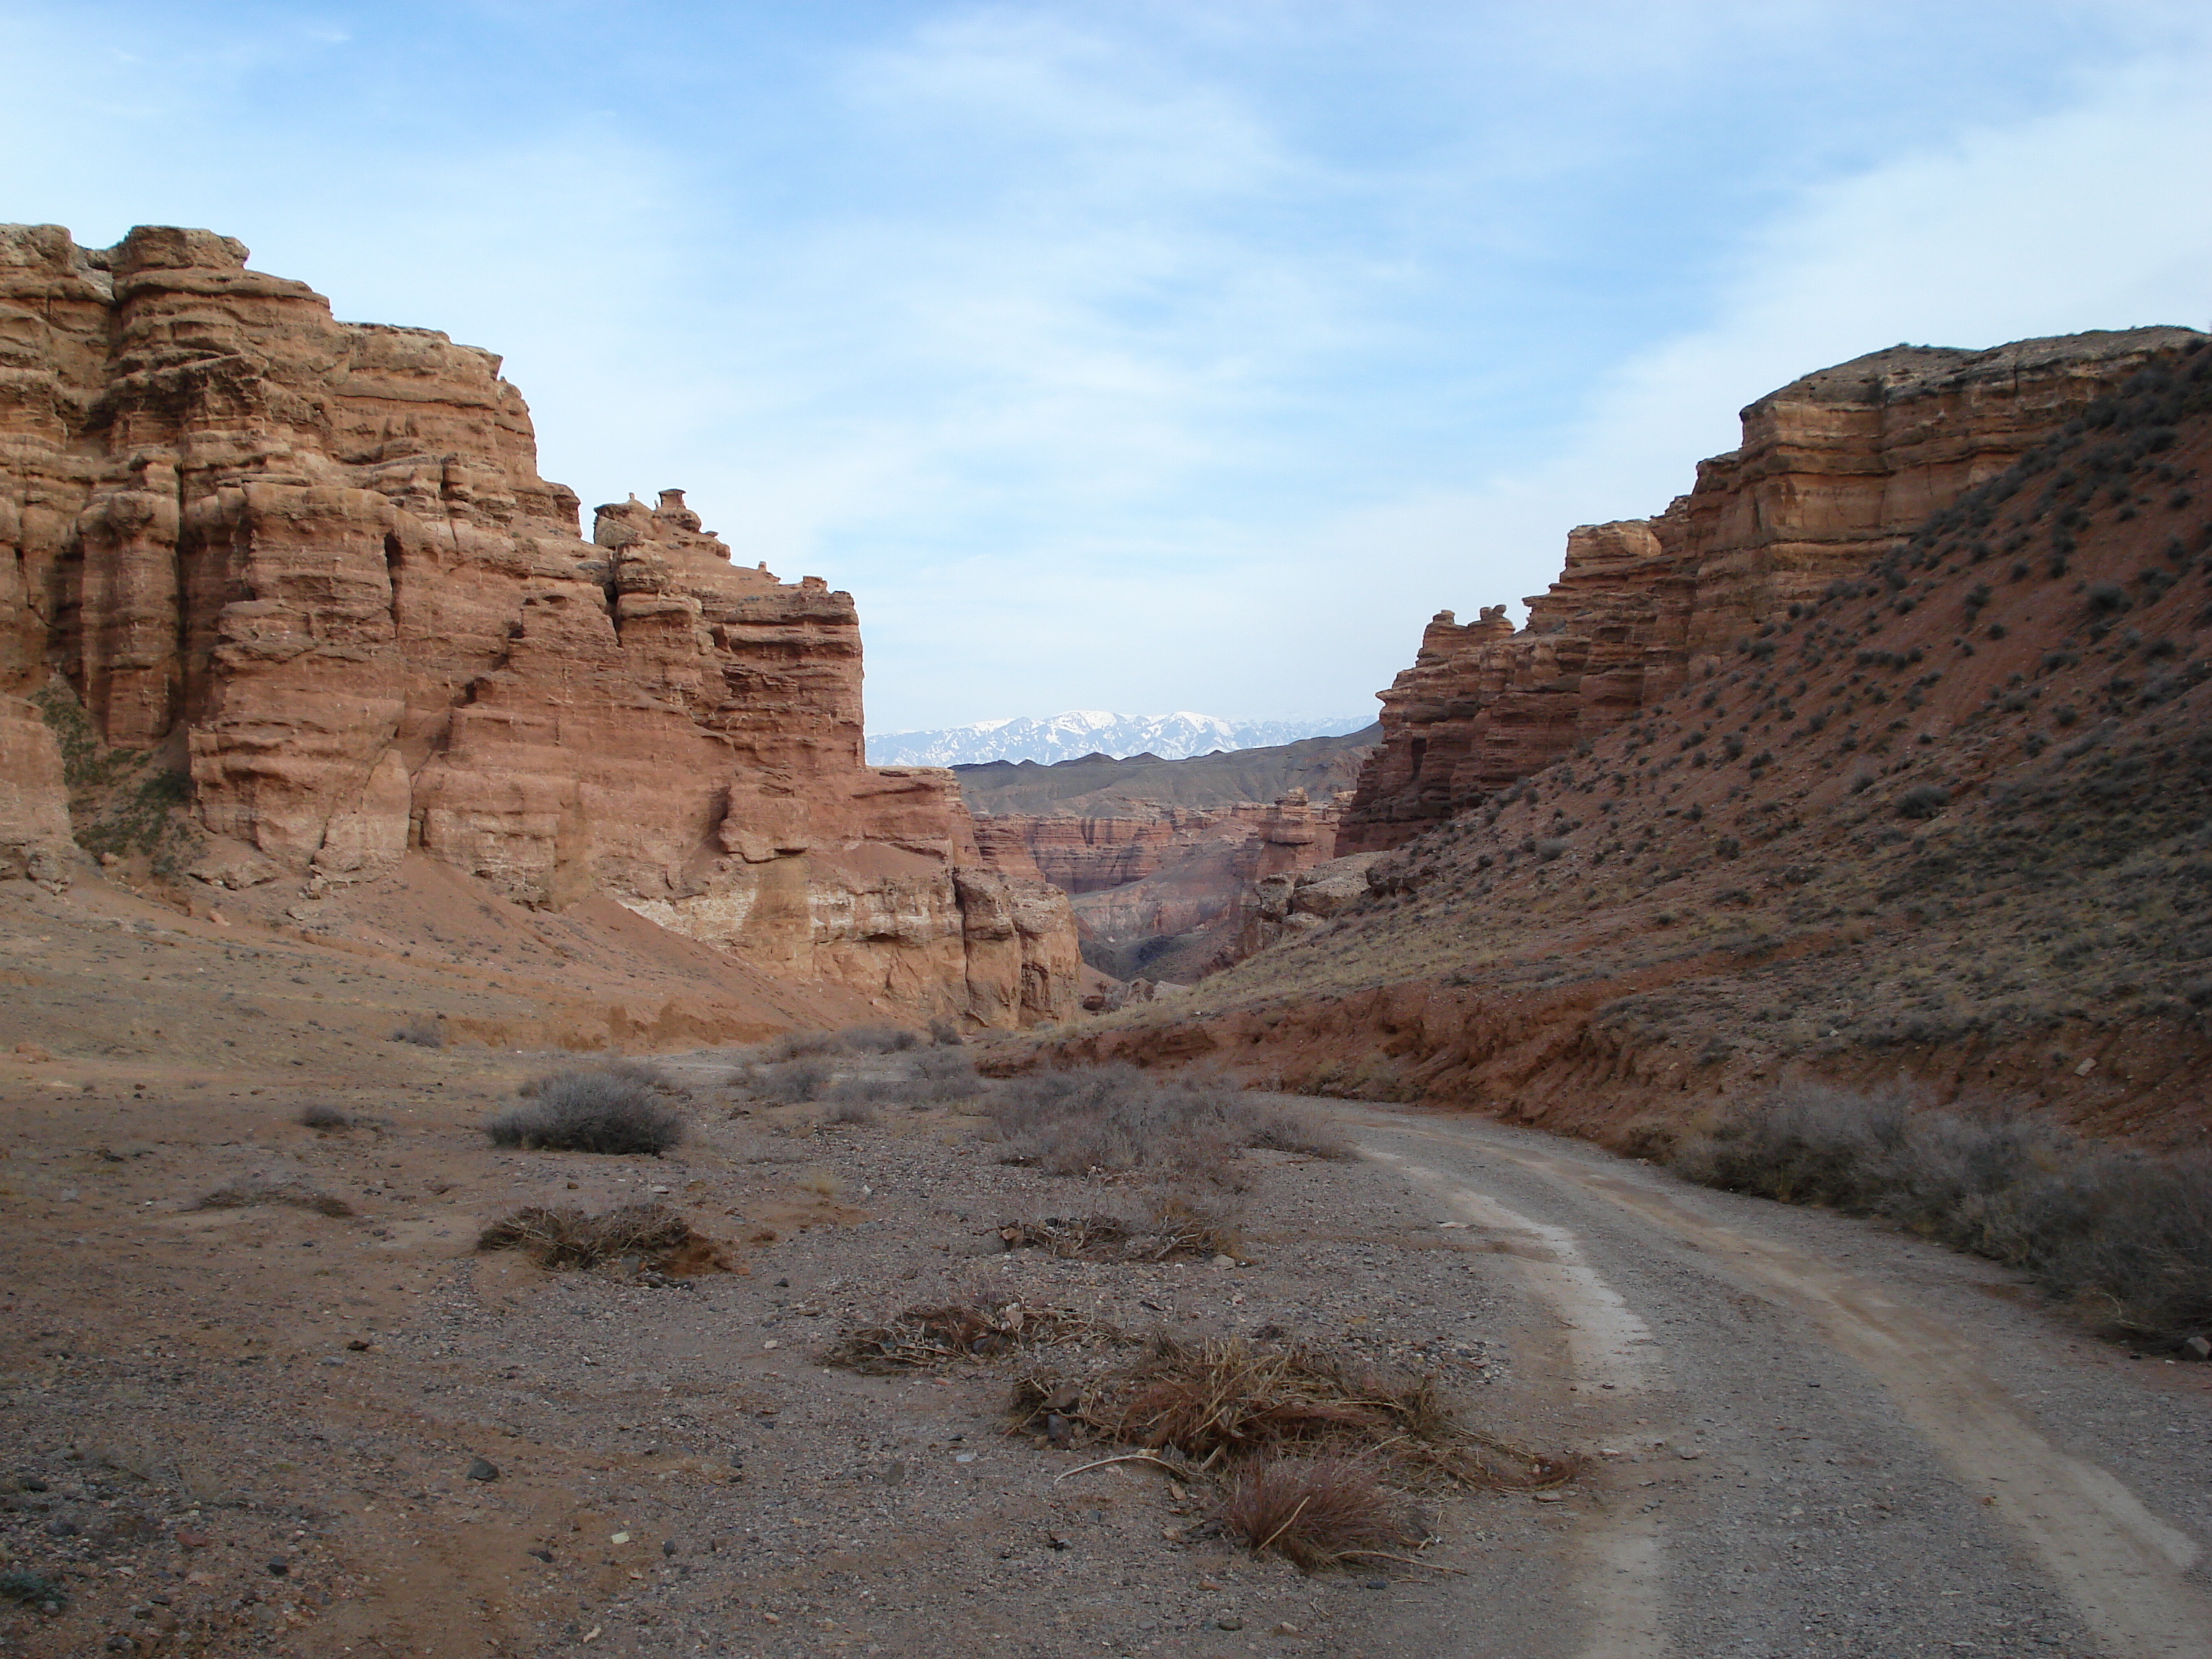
x,y
251,1430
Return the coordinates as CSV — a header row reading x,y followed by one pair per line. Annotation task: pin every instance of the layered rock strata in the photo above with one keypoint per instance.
x,y
1834,471
320,554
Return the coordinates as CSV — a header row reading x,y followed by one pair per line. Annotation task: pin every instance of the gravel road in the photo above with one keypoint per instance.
x,y
1879,1447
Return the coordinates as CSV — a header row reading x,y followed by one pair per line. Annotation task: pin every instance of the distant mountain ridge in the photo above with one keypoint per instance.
x,y
1080,731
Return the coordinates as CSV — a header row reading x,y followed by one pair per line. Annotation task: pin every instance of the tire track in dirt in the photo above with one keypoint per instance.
x,y
1609,1347
2121,1566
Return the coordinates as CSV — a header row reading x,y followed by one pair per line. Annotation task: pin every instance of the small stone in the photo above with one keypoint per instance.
x,y
1222,1263
1689,1454
1230,1623
770,1343
359,1345
1375,1583
543,1555
280,1569
1286,1628
482,1468
188,1539
963,1458
2198,1347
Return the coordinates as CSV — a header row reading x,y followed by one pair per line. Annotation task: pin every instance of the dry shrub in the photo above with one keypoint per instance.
x,y
1286,1128
1182,1226
787,1082
422,1030
929,1078
566,1236
1227,1399
597,1111
244,1195
923,1338
795,1045
2124,1235
876,1039
852,1109
1317,1512
1104,1119
323,1116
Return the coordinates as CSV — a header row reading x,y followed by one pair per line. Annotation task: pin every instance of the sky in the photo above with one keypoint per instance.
x,y
1156,354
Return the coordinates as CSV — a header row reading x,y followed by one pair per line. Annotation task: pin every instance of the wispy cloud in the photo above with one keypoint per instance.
x,y
1160,356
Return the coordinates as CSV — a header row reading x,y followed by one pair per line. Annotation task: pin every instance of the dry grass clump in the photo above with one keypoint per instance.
x,y
610,1110
1107,1238
1225,1401
1318,1512
322,1116
2124,1235
921,1339
1105,1119
566,1236
244,1195
1183,1225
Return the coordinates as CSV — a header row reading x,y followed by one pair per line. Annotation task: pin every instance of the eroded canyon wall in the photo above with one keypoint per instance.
x,y
1834,470
316,559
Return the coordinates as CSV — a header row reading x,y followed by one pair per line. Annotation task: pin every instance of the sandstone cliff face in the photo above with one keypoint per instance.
x,y
321,552
1834,470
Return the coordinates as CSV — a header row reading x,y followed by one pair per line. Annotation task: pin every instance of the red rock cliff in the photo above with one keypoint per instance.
x,y
318,557
1834,470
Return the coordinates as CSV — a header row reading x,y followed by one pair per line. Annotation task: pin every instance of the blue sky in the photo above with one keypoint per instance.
x,y
1149,355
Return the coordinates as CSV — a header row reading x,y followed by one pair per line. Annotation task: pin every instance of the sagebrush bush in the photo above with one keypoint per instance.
x,y
877,1040
789,1082
2124,1235
422,1032
1107,1118
590,1111
324,1116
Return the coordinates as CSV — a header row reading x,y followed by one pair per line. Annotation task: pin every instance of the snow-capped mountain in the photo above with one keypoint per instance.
x,y
1092,731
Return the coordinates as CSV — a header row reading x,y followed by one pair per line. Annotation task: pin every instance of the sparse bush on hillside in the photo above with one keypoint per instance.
x,y
596,1111
2126,1236
322,1116
1924,801
422,1032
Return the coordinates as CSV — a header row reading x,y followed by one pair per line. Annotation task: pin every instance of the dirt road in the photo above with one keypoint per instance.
x,y
1879,1448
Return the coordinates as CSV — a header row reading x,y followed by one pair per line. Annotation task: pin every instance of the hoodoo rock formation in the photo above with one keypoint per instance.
x,y
1834,471
312,565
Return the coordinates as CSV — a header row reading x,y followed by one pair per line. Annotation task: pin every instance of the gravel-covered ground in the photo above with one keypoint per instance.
x,y
247,1431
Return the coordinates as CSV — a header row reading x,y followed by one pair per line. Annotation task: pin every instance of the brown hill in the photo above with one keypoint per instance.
x,y
1944,814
